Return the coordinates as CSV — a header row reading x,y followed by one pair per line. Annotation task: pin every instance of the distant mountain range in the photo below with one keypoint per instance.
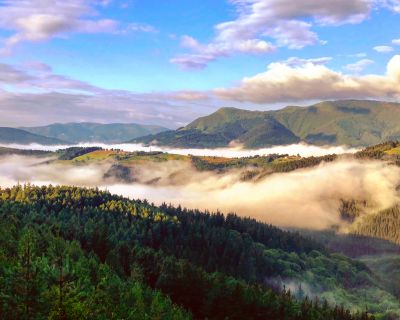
x,y
18,136
346,122
353,123
95,132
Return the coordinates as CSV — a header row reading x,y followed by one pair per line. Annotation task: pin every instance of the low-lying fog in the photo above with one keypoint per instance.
x,y
307,198
303,150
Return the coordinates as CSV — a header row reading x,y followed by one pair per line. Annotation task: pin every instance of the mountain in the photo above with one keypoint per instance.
x,y
95,132
346,122
11,135
227,125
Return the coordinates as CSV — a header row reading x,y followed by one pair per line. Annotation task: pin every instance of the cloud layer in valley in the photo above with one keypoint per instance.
x,y
307,198
304,150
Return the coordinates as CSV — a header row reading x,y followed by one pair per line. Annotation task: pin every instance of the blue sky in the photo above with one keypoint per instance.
x,y
155,61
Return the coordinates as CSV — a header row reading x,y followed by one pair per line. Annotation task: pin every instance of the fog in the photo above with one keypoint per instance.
x,y
304,150
306,198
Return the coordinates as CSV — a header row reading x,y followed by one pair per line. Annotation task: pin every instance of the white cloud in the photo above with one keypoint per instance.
x,y
294,61
358,66
283,22
383,49
39,20
283,83
212,51
396,42
358,55
393,5
262,26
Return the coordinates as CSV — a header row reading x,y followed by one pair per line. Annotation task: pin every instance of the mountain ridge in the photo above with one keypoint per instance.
x,y
76,132
12,135
354,123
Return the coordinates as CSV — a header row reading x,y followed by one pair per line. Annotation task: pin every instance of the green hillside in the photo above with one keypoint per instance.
x,y
349,122
95,132
76,253
253,129
11,135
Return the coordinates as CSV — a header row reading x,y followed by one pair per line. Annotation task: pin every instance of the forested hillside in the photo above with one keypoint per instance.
x,y
66,250
344,122
384,224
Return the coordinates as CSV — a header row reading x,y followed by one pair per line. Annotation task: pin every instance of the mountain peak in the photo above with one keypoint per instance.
x,y
342,122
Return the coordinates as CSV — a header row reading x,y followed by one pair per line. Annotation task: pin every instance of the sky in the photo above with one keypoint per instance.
x,y
169,62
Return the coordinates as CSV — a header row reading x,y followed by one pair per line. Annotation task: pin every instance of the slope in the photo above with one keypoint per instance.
x,y
95,132
347,122
215,266
18,136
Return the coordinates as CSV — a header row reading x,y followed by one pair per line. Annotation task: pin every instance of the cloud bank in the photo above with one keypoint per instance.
x,y
30,90
302,149
307,198
285,83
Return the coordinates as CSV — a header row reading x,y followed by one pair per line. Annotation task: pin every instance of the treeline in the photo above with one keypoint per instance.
x,y
214,163
91,255
274,162
286,166
73,152
376,151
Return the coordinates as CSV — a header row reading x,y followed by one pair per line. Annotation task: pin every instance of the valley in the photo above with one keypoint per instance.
x,y
199,160
345,253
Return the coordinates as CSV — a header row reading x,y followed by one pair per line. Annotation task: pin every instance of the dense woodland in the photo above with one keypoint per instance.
x,y
72,253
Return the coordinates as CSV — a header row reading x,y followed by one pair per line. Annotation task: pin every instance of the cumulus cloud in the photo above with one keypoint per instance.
x,y
263,25
283,83
396,42
383,49
359,66
39,20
